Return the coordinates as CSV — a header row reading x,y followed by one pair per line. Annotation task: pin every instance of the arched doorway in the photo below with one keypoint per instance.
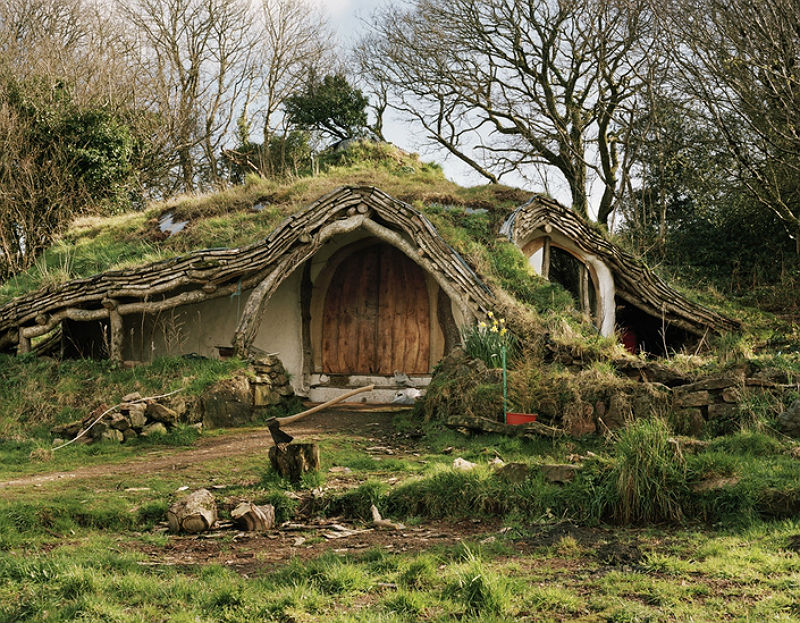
x,y
376,315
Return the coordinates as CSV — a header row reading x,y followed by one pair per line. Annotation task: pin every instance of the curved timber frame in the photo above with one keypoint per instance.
x,y
543,221
262,267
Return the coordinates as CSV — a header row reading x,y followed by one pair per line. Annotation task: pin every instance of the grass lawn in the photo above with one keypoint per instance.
x,y
474,548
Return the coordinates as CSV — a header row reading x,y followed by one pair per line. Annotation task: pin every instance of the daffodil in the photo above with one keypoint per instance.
x,y
482,325
491,314
494,329
502,320
503,331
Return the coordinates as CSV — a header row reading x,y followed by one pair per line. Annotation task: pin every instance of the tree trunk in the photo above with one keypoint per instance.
x,y
293,460
252,518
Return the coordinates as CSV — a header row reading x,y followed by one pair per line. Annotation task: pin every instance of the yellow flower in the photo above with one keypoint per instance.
x,y
502,320
503,331
494,329
491,314
482,325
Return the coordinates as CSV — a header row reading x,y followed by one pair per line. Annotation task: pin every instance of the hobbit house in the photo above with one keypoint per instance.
x,y
347,292
618,291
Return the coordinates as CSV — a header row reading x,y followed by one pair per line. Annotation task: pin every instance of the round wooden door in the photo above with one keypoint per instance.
x,y
376,317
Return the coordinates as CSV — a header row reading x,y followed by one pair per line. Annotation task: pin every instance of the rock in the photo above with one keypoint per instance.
x,y
514,472
136,414
264,396
155,428
723,410
96,432
579,420
247,516
160,413
618,412
463,465
560,472
731,394
689,421
132,397
119,422
228,403
692,399
195,513
712,382
407,396
651,371
129,434
112,434
789,420
68,430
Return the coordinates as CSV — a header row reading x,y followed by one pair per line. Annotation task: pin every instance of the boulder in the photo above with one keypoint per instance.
x,y
228,403
160,413
132,397
96,432
723,410
154,428
197,512
129,433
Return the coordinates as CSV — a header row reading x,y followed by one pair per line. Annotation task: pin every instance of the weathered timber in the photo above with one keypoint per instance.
x,y
295,459
485,425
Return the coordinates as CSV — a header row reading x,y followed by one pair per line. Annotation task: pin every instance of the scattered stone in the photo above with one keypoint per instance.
x,y
97,431
195,513
463,465
154,428
731,394
560,472
514,473
338,469
713,382
129,433
251,518
132,397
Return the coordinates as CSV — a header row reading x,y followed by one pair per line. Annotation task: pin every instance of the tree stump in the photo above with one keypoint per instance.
x,y
197,512
295,459
251,518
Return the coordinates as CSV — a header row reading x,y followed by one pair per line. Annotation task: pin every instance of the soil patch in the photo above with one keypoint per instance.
x,y
355,425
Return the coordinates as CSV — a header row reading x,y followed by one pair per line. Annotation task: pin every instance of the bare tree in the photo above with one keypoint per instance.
x,y
296,37
739,61
195,64
522,82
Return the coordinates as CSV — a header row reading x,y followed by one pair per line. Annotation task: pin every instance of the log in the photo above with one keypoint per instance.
x,y
485,425
295,459
251,518
197,512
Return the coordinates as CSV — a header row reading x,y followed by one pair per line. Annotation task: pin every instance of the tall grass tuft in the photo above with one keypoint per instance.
x,y
647,480
478,588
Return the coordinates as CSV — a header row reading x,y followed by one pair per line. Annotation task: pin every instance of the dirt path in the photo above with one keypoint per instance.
x,y
355,425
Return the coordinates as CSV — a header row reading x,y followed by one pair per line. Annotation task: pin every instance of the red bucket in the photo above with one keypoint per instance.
x,y
515,419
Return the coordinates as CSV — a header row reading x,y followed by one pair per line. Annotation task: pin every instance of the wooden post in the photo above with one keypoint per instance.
x,y
584,287
546,258
295,459
115,341
24,345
